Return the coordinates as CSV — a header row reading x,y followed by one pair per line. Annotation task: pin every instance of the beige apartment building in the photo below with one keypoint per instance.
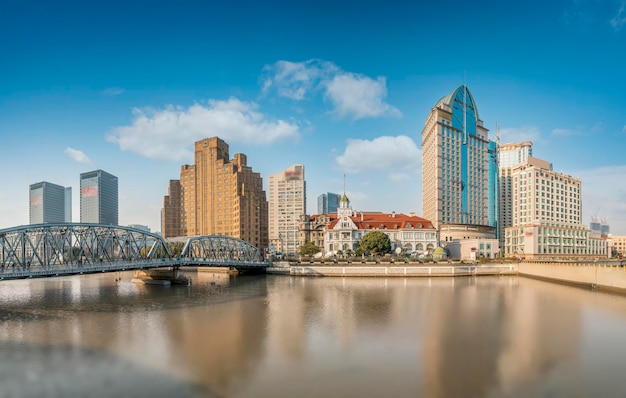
x,y
221,196
617,245
546,215
509,156
287,202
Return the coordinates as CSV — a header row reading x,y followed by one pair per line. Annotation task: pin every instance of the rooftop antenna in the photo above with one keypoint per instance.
x,y
344,184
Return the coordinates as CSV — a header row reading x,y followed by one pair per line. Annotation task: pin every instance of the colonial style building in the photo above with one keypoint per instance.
x,y
409,232
313,228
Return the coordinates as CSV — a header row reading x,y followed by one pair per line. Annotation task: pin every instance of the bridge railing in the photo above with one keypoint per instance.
x,y
70,269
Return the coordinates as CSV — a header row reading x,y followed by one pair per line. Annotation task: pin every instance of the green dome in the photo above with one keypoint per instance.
x,y
439,250
344,198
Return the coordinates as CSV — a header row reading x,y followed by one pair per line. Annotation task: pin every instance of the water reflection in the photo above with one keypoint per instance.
x,y
308,337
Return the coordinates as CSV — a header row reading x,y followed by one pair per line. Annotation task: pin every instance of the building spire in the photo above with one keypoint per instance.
x,y
344,202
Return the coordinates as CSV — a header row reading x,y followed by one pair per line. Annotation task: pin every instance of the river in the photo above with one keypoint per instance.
x,y
279,336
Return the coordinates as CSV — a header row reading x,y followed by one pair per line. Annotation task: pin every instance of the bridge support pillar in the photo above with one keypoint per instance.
x,y
161,277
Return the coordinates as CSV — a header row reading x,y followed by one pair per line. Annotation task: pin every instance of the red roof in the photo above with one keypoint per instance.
x,y
377,220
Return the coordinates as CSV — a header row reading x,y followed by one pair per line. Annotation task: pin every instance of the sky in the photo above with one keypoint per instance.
x,y
341,87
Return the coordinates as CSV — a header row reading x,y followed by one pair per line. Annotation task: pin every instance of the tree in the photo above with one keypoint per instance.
x,y
309,249
375,242
176,248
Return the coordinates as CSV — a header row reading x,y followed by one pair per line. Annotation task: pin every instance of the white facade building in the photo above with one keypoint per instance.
x,y
409,232
547,214
509,156
287,202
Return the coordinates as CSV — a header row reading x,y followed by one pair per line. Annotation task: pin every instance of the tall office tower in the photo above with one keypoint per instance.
x,y
98,198
68,204
287,194
47,203
546,212
171,213
222,196
328,203
509,156
455,168
492,189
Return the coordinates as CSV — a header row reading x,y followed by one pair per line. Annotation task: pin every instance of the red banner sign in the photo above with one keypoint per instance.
x,y
89,192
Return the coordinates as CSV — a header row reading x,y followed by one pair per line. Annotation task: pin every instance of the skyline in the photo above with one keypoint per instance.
x,y
342,89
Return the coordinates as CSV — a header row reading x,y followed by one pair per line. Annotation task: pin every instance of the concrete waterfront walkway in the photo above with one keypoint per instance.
x,y
604,275
390,269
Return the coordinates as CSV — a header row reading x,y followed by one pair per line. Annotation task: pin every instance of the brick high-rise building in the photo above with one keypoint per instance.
x,y
171,214
222,196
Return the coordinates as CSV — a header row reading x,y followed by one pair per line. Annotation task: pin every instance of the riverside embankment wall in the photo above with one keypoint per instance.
x,y
609,275
393,270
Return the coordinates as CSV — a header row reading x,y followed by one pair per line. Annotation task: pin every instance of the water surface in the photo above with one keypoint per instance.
x,y
280,336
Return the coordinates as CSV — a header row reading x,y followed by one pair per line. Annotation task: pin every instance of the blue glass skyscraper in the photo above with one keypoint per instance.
x,y
456,165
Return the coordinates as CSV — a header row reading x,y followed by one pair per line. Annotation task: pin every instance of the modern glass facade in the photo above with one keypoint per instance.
x,y
455,163
68,204
47,203
492,192
328,203
98,198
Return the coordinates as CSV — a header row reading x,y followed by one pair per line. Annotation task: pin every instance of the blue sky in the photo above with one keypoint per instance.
x,y
344,89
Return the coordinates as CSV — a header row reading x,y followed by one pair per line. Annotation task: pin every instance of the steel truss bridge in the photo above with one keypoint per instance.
x,y
76,248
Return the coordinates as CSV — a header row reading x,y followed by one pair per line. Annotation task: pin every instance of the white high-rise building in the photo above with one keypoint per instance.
x,y
287,202
547,215
509,156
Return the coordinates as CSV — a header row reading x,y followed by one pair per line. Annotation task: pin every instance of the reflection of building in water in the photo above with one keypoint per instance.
x,y
219,345
475,344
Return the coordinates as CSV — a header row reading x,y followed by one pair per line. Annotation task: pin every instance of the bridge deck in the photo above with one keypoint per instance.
x,y
19,272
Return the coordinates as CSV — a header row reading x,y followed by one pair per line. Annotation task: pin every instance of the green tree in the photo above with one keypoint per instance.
x,y
376,242
309,249
175,248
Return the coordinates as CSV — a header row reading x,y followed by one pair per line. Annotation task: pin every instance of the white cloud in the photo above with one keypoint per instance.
x,y
112,91
604,195
78,156
393,154
167,133
359,96
353,95
518,134
619,20
296,79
